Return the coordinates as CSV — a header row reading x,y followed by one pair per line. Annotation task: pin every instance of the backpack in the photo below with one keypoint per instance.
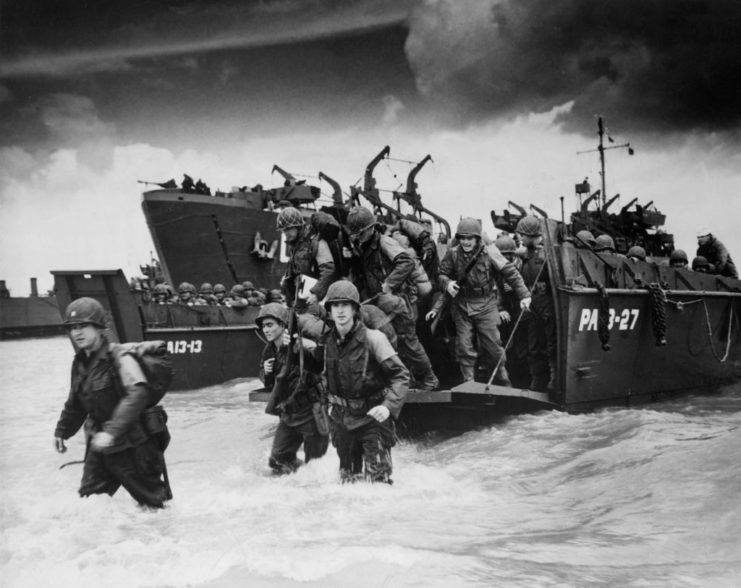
x,y
328,228
156,363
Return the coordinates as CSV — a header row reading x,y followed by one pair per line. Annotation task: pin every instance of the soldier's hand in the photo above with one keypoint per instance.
x,y
525,303
59,445
430,316
380,413
101,440
267,367
453,288
504,316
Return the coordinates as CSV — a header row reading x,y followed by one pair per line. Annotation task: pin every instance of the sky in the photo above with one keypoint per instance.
x,y
96,96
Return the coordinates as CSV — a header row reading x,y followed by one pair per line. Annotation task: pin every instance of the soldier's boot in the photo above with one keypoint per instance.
x,y
467,372
429,382
502,377
273,248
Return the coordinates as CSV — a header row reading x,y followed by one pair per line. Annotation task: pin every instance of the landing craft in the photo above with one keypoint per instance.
x,y
628,331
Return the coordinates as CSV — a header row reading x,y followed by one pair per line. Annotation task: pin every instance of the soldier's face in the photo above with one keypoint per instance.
x,y
291,234
272,329
702,239
467,243
86,336
342,313
530,240
365,235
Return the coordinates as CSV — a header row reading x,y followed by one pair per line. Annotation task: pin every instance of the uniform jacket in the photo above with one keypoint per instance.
x,y
532,262
361,367
311,256
300,394
478,287
385,260
717,254
110,401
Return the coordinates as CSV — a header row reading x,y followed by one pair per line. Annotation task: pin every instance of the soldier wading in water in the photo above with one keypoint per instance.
x,y
109,395
367,384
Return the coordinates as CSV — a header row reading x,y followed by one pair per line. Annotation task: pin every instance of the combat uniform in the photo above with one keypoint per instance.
x,y
719,258
106,400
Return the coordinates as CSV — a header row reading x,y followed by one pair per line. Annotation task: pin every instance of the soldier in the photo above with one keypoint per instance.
x,y
310,255
161,294
420,238
541,325
678,258
206,292
186,294
585,240
254,297
367,385
236,297
474,294
636,253
716,254
220,294
700,264
386,280
110,401
297,423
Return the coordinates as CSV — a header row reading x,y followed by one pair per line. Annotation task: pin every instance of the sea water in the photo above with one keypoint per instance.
x,y
619,497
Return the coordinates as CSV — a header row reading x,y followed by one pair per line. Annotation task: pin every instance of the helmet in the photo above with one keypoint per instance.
x,y
274,295
161,289
529,225
359,218
637,251
219,288
288,218
273,310
703,231
585,236
186,287
678,255
604,243
342,291
237,290
468,227
206,288
700,262
506,244
248,285
85,311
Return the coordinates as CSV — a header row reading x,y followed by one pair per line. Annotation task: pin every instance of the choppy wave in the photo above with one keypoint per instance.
x,y
630,497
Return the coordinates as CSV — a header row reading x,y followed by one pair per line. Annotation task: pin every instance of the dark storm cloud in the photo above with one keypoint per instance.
x,y
653,64
74,37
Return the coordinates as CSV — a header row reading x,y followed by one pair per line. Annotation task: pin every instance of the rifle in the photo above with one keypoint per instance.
x,y
447,297
280,393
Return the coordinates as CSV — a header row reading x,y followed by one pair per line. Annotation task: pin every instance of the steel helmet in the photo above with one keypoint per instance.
x,y
85,311
288,218
468,227
506,244
206,288
604,243
274,295
638,252
219,288
700,262
585,236
248,285
161,289
272,310
358,219
186,287
529,225
237,290
342,291
678,255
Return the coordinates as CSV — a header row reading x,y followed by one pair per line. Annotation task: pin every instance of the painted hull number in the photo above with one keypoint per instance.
x,y
625,320
192,346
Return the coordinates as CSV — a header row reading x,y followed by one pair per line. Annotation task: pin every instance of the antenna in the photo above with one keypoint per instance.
x,y
601,149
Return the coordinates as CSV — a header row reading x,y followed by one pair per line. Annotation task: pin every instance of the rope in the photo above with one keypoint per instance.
x,y
658,313
710,333
603,317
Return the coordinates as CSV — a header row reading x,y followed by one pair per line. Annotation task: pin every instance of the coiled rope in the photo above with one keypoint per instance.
x,y
658,312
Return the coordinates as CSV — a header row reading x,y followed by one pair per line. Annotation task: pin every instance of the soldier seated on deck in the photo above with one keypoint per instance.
x,y
236,297
254,297
220,294
678,259
701,265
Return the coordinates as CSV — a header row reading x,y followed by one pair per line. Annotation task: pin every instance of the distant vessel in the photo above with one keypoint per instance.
x,y
627,331
28,316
